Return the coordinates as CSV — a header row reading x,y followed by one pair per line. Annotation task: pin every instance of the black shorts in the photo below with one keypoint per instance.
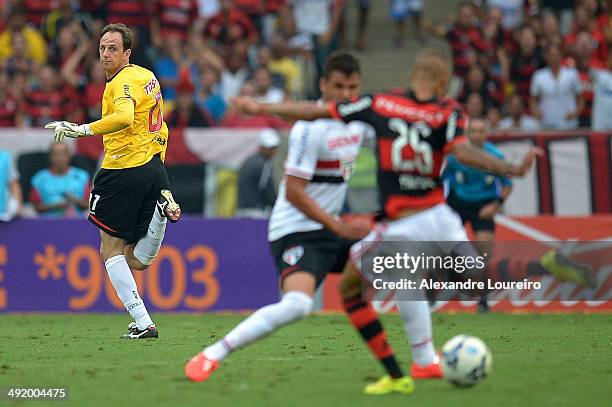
x,y
122,201
318,252
468,211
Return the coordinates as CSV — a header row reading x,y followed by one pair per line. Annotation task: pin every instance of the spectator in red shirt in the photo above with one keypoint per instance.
x,y
464,36
47,102
10,115
175,17
36,10
583,22
524,64
231,27
583,61
262,14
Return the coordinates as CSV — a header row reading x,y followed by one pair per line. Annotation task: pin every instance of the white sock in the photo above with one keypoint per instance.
x,y
121,276
294,306
417,321
148,246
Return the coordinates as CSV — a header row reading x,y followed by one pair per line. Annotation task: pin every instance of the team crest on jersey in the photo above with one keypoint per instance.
x,y
347,167
292,255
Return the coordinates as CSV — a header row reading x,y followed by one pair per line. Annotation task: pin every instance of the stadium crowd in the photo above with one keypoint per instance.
x,y
538,63
523,64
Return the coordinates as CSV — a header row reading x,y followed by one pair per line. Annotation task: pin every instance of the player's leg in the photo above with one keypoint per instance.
x,y
365,321
295,304
300,271
484,235
115,205
120,275
158,207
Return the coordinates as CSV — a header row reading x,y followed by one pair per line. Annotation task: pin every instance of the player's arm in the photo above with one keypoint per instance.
x,y
474,157
489,210
297,110
297,195
121,118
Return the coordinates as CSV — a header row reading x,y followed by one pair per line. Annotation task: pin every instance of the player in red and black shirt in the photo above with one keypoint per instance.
x,y
414,132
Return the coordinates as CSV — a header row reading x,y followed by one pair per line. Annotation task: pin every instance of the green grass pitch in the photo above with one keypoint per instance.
x,y
538,360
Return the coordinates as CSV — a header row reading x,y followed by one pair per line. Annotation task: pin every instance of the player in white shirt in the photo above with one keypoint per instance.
x,y
307,238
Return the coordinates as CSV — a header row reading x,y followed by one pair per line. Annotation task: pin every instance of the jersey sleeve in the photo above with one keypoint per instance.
x,y
124,89
455,129
303,151
360,109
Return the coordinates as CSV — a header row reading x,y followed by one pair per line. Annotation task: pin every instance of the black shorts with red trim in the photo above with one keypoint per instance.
x,y
122,201
317,252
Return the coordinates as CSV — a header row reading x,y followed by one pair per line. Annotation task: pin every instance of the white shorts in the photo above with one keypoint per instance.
x,y
432,232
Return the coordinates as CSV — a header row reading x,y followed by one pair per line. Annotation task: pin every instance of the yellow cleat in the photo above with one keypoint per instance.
x,y
387,384
564,269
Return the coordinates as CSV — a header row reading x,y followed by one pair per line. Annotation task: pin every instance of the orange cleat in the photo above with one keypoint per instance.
x,y
199,368
433,371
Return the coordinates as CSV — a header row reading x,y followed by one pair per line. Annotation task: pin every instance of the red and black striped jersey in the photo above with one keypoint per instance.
x,y
133,13
36,10
466,43
8,110
177,16
522,69
412,139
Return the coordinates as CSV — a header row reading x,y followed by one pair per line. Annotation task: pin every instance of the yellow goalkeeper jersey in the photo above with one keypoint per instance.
x,y
148,135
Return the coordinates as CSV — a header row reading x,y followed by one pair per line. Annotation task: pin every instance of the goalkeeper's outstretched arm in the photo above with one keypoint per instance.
x,y
122,118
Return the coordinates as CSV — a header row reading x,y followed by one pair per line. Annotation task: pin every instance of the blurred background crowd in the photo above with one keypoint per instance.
x,y
525,65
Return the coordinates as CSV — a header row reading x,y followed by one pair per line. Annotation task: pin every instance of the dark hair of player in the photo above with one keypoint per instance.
x,y
342,61
126,33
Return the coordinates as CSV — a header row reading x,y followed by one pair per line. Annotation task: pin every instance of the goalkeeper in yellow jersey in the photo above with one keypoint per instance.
x,y
130,202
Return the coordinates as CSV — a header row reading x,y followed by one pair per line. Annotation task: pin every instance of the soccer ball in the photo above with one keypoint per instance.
x,y
466,360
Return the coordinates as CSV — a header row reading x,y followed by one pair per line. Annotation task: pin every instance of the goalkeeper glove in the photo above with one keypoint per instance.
x,y
66,129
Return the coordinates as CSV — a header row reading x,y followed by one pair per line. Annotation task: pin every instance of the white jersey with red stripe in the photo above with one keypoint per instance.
x,y
323,152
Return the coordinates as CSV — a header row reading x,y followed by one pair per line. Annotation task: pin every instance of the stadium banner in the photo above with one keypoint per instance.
x,y
587,240
54,265
572,179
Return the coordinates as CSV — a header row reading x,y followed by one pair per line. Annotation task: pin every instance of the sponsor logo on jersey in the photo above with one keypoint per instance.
x,y
126,90
292,255
160,140
301,148
149,87
343,141
349,109
410,113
